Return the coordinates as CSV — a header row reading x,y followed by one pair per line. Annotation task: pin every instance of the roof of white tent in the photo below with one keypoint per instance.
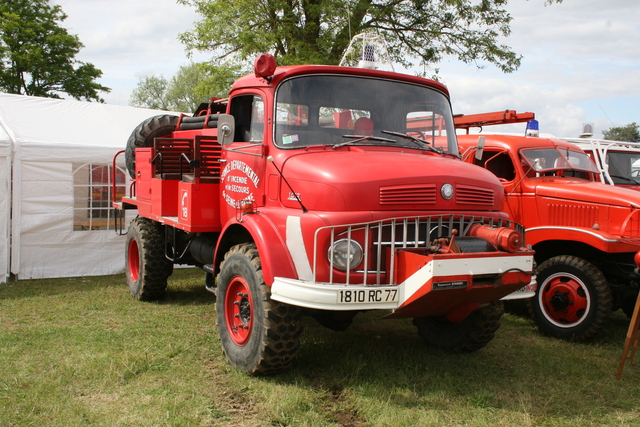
x,y
32,123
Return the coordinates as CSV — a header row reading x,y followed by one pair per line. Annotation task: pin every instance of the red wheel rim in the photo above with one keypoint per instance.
x,y
237,307
565,300
133,261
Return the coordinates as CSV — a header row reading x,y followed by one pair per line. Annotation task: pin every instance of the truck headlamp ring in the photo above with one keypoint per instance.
x,y
345,254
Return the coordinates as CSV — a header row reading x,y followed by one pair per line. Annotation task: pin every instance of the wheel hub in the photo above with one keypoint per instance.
x,y
133,261
560,301
564,300
238,310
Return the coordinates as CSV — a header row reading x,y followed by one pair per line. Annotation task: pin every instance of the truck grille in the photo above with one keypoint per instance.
x,y
572,215
426,194
408,194
380,239
468,195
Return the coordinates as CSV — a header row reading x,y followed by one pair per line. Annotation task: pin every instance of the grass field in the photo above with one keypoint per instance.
x,y
82,352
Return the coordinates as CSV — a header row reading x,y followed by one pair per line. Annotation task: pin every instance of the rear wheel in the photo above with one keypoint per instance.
x,y
144,134
471,334
147,267
573,300
258,335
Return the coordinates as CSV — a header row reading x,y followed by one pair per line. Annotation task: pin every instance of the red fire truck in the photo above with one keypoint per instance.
x,y
312,191
586,234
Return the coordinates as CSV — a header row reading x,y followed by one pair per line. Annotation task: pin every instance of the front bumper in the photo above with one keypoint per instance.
x,y
426,285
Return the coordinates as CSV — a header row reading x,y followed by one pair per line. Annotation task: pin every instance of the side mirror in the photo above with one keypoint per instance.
x,y
226,129
480,148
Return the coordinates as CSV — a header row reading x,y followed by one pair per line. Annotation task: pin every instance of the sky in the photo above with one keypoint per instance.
x,y
581,58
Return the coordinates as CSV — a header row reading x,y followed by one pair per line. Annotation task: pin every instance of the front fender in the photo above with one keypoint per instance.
x,y
274,255
594,238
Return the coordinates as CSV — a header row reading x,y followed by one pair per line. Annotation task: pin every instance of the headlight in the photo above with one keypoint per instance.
x,y
345,254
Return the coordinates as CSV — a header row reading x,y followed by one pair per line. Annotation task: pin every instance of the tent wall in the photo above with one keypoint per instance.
x,y
45,243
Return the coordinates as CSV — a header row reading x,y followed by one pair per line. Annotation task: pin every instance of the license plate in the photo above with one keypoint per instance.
x,y
367,296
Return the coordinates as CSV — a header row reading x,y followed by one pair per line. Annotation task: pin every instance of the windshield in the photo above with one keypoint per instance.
x,y
624,167
542,160
341,110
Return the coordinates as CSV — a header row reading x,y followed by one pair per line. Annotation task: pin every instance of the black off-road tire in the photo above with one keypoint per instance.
x,y
259,335
573,300
144,134
470,335
147,268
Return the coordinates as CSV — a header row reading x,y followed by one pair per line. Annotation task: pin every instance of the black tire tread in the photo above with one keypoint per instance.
x,y
470,335
156,267
280,338
602,301
144,134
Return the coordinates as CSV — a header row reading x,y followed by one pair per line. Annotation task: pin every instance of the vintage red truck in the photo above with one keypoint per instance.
x,y
324,191
586,234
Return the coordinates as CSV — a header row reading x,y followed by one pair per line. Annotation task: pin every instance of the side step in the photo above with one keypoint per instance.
x,y
209,282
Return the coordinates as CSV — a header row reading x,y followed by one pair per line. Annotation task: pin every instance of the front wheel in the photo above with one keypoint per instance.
x,y
573,300
259,335
471,334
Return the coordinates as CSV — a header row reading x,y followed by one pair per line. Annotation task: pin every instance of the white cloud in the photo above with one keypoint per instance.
x,y
581,64
581,61
128,39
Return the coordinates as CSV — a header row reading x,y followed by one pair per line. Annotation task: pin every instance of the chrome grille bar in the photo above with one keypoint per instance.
x,y
384,236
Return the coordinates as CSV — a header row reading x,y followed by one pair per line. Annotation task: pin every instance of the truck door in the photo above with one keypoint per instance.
x,y
242,182
501,164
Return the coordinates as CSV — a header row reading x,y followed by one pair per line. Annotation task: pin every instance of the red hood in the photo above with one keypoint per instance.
x,y
355,178
586,191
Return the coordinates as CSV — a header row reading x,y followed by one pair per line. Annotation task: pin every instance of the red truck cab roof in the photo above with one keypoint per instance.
x,y
282,73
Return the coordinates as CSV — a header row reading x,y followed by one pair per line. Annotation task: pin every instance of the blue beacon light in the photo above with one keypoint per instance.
x,y
533,128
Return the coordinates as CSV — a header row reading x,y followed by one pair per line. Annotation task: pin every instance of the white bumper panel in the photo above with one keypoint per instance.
x,y
333,297
359,297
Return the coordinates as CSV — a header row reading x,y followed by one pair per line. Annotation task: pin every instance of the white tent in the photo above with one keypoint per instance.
x,y
55,148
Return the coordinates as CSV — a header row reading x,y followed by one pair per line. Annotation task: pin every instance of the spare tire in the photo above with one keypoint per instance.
x,y
144,134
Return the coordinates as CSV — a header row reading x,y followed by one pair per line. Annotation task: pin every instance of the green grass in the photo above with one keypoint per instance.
x,y
82,352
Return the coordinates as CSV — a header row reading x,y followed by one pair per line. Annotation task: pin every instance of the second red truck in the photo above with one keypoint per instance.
x,y
586,235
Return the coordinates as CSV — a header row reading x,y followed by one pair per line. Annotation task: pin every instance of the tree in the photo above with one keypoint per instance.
x,y
628,133
151,92
319,31
193,84
37,55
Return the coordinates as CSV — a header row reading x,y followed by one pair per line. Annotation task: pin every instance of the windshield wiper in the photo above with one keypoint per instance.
x,y
624,178
359,138
421,142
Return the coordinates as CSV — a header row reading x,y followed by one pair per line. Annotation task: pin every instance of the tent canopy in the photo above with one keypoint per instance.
x,y
49,143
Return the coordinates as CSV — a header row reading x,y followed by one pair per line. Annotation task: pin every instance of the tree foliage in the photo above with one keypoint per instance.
x,y
151,92
37,55
319,31
628,133
193,84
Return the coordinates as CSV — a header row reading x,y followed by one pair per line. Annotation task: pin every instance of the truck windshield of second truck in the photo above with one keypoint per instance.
x,y
336,110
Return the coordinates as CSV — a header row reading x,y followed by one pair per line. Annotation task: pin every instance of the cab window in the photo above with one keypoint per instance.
x,y
248,112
